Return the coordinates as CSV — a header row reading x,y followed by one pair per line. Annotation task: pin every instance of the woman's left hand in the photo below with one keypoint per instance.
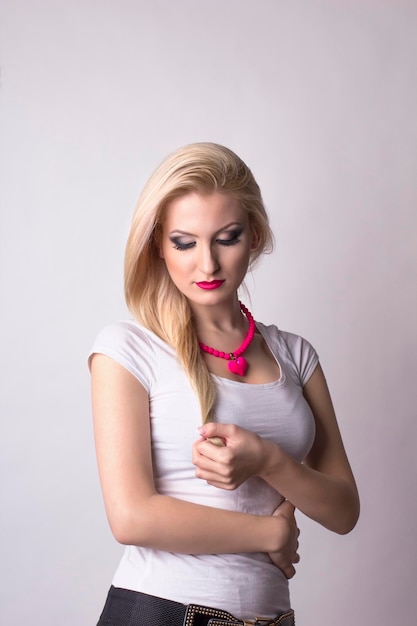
x,y
230,465
288,555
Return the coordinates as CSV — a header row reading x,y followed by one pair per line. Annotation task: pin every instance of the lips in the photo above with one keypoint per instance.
x,y
213,284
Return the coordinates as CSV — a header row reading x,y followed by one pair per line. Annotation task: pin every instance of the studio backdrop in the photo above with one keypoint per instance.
x,y
320,99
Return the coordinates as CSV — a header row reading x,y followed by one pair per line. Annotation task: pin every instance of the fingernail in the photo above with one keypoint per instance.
x,y
201,430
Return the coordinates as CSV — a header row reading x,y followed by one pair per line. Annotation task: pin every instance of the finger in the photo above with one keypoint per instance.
x,y
214,429
206,459
203,449
212,474
209,447
216,480
203,464
217,441
218,454
296,558
225,486
289,571
208,471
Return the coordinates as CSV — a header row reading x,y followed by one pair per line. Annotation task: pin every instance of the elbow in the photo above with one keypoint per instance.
x,y
347,527
122,530
123,534
349,519
128,528
352,521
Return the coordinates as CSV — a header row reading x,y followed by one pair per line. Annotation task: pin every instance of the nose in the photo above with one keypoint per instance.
x,y
208,262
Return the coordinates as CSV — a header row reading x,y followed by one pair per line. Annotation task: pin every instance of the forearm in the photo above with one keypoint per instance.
x,y
330,500
172,525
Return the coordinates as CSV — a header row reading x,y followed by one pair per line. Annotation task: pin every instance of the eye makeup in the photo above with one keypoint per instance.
x,y
181,243
233,238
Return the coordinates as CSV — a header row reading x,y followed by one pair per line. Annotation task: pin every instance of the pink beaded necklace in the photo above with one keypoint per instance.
x,y
237,363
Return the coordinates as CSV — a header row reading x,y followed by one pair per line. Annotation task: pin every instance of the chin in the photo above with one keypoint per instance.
x,y
211,297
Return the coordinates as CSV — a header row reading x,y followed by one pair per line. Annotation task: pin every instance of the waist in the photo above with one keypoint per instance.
x,y
140,609
241,584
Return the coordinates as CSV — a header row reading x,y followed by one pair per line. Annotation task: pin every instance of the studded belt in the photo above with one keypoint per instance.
x,y
196,615
135,608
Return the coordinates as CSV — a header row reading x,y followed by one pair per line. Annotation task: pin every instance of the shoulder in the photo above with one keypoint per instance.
x,y
133,346
122,329
295,343
291,349
122,335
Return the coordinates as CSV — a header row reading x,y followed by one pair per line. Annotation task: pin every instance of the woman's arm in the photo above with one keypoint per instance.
x,y
323,487
137,514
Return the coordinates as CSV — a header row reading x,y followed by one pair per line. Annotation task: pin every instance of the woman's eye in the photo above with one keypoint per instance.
x,y
229,242
182,245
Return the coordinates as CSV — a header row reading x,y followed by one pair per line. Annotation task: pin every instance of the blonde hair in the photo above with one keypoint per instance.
x,y
150,294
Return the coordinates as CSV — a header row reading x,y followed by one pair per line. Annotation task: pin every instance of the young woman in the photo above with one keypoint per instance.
x,y
210,428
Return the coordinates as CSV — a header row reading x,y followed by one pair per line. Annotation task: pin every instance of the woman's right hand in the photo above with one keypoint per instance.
x,y
288,555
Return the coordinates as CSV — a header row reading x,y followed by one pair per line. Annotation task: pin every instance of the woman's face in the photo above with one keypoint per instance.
x,y
206,244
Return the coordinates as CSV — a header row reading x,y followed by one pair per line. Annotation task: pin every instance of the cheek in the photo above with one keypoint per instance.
x,y
175,263
243,259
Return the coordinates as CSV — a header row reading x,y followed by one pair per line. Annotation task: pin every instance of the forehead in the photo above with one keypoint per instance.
x,y
194,211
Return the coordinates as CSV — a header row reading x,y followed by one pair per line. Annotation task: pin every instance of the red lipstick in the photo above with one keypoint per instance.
x,y
213,284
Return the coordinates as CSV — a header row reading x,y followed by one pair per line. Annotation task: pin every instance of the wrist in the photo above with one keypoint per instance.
x,y
272,459
275,535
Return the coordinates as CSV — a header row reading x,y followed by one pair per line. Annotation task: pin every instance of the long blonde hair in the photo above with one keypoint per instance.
x,y
150,294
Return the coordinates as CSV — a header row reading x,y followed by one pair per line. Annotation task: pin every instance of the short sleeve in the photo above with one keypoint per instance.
x,y
294,353
308,361
127,343
303,355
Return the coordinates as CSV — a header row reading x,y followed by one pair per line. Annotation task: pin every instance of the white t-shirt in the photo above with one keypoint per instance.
x,y
243,584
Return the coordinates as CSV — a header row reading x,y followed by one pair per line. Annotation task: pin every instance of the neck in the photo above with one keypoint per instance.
x,y
218,318
237,363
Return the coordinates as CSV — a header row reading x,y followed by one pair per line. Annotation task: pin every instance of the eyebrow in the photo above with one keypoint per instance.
x,y
177,231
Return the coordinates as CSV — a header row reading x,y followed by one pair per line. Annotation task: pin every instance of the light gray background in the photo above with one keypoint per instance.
x,y
320,99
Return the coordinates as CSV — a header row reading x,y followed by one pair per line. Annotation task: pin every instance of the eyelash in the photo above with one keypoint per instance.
x,y
223,242
229,242
183,246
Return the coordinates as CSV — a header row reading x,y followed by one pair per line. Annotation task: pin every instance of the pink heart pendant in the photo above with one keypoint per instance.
x,y
238,366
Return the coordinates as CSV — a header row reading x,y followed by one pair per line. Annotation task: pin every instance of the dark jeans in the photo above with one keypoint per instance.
x,y
130,608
